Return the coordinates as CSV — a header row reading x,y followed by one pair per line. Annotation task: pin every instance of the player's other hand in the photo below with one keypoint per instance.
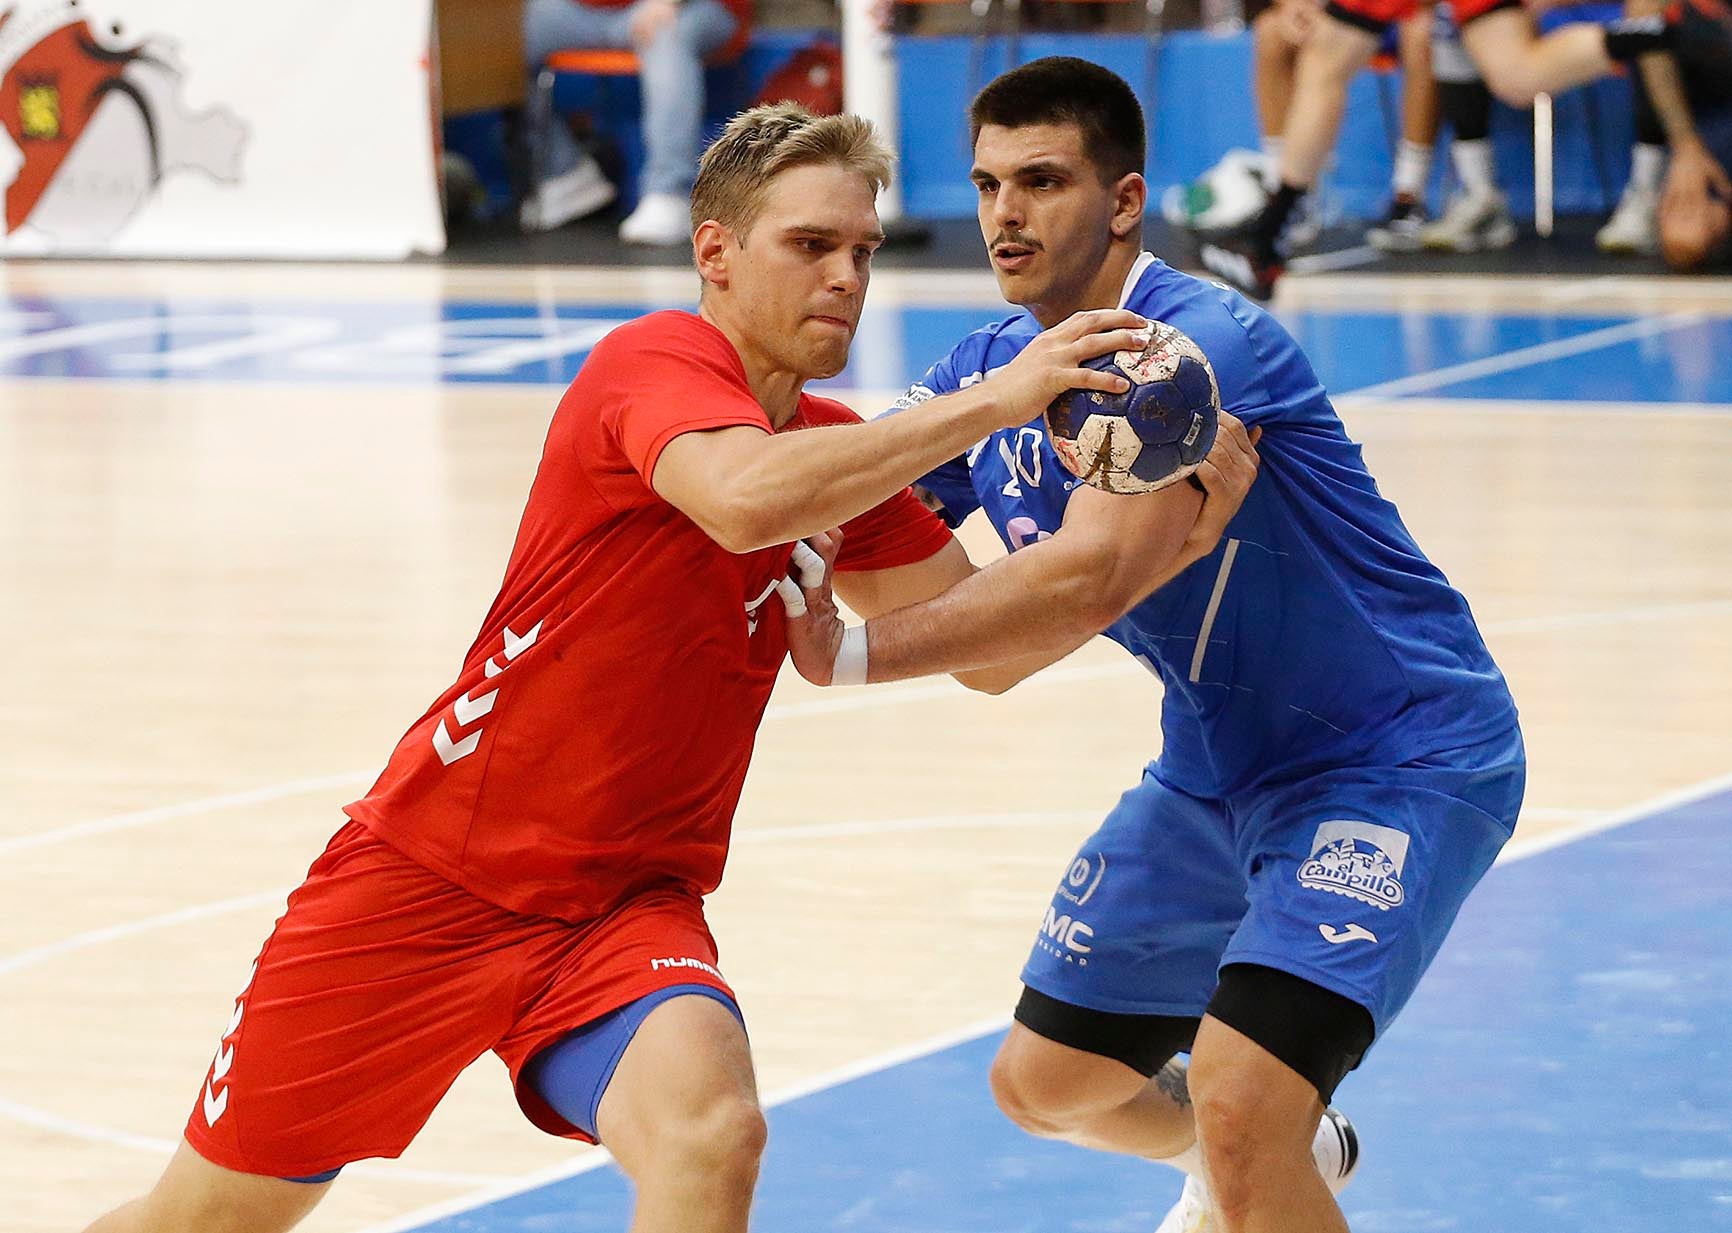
x,y
1694,175
814,625
1226,475
1052,363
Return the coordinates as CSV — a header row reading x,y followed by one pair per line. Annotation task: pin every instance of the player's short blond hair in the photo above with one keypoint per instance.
x,y
734,174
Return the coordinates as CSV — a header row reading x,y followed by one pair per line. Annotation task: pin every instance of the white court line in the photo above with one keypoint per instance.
x,y
1516,851
847,699
1521,848
1341,259
28,1116
113,933
773,834
1589,620
1527,357
166,813
1589,288
594,1160
938,822
1527,408
1586,823
43,1120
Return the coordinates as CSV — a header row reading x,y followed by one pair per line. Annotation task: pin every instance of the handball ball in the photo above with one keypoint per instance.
x,y
1155,433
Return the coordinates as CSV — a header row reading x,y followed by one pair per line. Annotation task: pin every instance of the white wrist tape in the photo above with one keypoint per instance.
x,y
809,563
850,666
810,567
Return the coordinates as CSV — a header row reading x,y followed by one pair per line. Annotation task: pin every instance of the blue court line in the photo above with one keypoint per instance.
x,y
1566,1066
479,342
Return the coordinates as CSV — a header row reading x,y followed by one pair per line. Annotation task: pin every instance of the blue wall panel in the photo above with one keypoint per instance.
x,y
1203,105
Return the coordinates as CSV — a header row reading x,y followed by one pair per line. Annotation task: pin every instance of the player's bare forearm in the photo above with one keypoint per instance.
x,y
875,592
1042,602
993,627
1001,677
806,481
748,489
1030,604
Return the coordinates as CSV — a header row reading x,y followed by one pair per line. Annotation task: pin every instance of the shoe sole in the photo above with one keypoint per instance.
x,y
1500,236
1621,249
595,200
1349,1147
1232,267
1389,242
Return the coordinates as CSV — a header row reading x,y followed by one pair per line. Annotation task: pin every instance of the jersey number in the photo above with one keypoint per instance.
x,y
1021,472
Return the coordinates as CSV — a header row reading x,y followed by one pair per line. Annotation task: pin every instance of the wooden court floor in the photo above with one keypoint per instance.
x,y
223,602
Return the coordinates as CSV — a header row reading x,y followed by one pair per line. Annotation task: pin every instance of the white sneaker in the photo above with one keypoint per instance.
x,y
1305,224
1223,197
1192,1213
1470,223
1336,1149
660,218
1634,226
560,199
1401,229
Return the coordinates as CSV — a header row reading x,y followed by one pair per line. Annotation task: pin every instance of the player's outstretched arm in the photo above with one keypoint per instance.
x,y
1043,601
749,489
872,593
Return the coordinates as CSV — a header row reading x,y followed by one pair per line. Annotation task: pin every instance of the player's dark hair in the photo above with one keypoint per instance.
x,y
1066,90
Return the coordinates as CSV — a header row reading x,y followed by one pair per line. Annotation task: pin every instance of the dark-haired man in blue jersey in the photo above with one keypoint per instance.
x,y
1340,758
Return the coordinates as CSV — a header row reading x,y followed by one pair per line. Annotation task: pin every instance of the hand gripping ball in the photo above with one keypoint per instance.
x,y
1154,434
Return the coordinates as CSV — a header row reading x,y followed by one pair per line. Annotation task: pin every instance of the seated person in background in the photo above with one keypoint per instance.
x,y
1634,226
1477,216
1516,61
672,38
1400,228
1691,92
1216,200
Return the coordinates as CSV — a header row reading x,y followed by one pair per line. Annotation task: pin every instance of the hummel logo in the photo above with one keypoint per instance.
x,y
215,1104
466,710
1353,933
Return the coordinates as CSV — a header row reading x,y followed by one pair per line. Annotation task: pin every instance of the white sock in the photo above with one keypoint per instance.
x,y
1412,169
1326,1149
1190,1161
1272,147
1647,167
1473,164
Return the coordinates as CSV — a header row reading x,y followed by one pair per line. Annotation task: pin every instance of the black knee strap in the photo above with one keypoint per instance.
x,y
1316,1032
1145,1043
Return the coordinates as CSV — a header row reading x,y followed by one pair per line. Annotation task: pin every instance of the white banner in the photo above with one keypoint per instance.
x,y
192,128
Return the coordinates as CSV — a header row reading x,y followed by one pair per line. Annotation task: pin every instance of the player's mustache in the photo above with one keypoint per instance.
x,y
1017,239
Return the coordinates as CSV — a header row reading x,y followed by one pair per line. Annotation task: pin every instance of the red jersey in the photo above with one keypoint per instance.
x,y
596,740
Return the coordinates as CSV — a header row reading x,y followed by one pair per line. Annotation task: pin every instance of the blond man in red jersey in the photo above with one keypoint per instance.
x,y
527,874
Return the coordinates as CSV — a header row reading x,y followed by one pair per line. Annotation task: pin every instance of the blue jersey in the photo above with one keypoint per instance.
x,y
1317,635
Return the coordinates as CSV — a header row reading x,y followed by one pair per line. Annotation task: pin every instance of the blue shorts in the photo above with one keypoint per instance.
x,y
1349,879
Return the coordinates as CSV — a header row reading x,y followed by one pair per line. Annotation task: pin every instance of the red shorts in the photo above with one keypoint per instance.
x,y
382,981
1377,16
